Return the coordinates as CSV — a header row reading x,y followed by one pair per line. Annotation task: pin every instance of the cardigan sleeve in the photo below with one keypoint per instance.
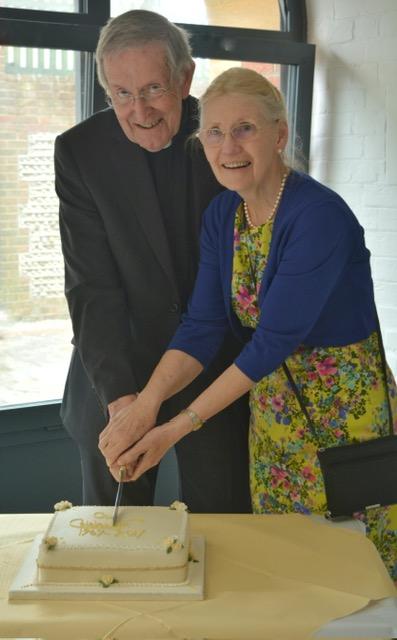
x,y
312,260
205,324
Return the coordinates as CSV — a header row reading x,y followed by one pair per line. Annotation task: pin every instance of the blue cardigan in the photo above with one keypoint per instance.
x,y
316,289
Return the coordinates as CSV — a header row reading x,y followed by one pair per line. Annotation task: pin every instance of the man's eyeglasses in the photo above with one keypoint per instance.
x,y
214,136
149,94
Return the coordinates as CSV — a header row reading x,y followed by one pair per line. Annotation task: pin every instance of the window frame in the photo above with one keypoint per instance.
x,y
78,31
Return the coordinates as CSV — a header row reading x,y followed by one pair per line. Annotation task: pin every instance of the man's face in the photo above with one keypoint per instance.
x,y
151,122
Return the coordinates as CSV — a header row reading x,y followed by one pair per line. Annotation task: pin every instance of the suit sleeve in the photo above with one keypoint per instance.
x,y
312,261
97,303
205,324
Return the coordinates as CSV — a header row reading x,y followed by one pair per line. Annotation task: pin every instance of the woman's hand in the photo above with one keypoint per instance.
x,y
125,428
128,424
148,452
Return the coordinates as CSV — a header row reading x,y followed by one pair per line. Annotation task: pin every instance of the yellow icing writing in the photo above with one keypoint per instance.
x,y
98,528
100,515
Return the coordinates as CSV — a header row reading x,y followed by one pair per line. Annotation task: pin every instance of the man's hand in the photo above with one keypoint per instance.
x,y
126,427
120,403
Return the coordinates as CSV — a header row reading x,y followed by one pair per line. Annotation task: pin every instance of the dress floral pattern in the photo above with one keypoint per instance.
x,y
343,389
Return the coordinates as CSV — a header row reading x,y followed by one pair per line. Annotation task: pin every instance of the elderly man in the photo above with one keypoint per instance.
x,y
131,197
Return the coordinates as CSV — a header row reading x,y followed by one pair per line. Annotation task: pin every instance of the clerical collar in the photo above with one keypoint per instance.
x,y
162,149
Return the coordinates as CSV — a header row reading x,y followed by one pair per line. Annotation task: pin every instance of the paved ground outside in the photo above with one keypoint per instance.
x,y
34,359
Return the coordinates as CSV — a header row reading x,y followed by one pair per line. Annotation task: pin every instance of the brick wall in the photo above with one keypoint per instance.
x,y
354,129
37,101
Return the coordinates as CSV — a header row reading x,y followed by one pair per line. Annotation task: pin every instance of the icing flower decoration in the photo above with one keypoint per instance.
x,y
107,581
62,505
191,557
172,544
178,506
51,542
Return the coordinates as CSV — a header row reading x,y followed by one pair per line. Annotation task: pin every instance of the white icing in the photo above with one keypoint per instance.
x,y
133,551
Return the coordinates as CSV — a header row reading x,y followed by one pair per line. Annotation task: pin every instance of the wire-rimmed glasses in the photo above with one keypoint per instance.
x,y
214,136
149,94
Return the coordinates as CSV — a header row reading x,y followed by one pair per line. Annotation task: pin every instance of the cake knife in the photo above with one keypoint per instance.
x,y
118,494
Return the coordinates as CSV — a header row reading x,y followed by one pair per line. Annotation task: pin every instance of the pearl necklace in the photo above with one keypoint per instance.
x,y
250,224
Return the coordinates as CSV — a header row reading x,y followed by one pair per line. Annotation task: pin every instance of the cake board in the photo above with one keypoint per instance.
x,y
23,586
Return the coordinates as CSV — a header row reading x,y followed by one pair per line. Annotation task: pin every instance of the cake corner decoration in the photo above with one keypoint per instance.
x,y
62,505
171,543
191,557
50,542
107,580
177,505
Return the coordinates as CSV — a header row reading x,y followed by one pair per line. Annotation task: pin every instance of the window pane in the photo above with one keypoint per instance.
x,y
43,5
37,101
249,14
206,70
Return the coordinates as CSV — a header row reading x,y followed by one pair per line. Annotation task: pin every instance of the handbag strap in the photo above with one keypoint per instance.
x,y
384,369
302,405
300,400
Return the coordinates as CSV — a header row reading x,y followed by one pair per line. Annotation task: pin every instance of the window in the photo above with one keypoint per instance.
x,y
48,84
43,91
246,14
37,101
47,5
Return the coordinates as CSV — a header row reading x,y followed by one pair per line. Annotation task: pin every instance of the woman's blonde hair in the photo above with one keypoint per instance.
x,y
248,83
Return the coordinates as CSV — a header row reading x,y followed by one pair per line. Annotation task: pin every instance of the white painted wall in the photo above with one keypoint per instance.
x,y
354,129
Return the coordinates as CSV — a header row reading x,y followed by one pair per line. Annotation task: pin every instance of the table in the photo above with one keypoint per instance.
x,y
267,578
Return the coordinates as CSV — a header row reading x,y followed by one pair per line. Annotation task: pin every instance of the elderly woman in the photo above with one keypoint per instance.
x,y
283,262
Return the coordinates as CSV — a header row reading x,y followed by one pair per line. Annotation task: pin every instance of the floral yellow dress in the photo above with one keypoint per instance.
x,y
342,385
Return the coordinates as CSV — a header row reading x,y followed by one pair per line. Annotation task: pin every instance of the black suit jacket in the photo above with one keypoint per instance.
x,y
119,278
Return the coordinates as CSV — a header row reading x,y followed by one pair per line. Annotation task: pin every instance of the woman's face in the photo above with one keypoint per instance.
x,y
248,153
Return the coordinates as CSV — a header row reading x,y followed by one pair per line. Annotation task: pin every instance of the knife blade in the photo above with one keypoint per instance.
x,y
119,494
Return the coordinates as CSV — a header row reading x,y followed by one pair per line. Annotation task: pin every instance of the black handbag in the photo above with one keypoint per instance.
x,y
360,475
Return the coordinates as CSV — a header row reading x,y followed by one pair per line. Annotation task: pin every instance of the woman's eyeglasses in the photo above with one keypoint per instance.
x,y
214,136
